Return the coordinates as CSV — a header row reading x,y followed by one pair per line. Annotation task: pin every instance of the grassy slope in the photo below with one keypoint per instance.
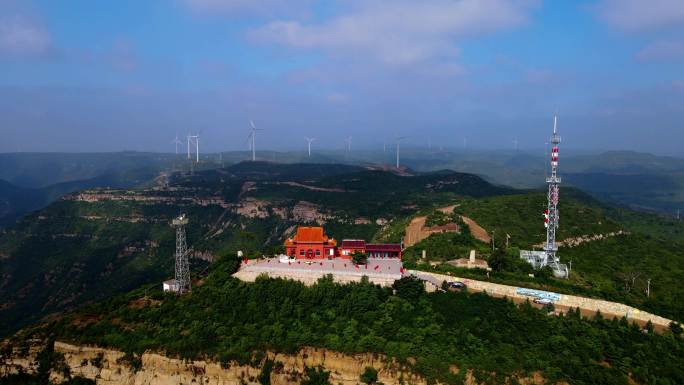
x,y
650,250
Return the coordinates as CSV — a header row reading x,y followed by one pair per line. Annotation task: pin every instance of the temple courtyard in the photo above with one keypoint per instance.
x,y
381,271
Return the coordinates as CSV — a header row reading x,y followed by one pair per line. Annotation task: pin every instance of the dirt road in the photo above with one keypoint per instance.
x,y
416,230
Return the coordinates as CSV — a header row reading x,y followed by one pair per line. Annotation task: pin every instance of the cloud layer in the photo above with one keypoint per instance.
x,y
400,32
20,36
638,15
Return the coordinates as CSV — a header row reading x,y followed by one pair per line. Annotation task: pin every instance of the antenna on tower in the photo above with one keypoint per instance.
x,y
181,282
548,257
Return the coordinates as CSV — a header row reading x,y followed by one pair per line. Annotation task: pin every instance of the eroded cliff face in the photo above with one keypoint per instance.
x,y
107,366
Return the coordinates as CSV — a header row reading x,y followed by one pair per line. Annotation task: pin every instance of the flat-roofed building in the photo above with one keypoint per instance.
x,y
383,250
351,246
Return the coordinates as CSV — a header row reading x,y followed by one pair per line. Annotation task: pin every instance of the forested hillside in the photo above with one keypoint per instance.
x,y
613,252
96,243
441,336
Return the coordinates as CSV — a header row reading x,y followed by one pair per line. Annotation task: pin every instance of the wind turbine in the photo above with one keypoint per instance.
x,y
189,141
308,141
176,142
252,136
515,144
398,139
348,141
194,138
197,147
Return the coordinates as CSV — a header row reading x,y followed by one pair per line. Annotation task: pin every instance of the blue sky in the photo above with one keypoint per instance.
x,y
106,76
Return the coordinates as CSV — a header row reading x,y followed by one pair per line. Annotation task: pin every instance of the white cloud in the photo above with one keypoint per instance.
x,y
22,37
662,50
401,32
638,15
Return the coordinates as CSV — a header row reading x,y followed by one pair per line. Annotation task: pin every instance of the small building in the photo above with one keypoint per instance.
x,y
351,246
170,285
310,243
383,250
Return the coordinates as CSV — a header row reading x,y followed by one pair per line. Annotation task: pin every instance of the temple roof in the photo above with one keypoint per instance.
x,y
370,247
353,243
311,235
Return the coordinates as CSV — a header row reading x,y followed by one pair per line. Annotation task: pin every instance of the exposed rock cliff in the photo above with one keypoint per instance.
x,y
107,366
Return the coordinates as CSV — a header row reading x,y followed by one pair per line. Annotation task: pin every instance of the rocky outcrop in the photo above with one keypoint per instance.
x,y
112,367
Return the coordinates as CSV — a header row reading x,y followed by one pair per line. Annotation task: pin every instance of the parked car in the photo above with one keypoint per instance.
x,y
456,286
543,301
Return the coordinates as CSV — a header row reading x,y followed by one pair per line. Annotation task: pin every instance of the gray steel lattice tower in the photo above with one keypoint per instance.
x,y
551,212
182,263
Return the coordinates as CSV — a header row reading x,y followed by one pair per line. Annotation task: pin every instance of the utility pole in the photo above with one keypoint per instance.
x,y
493,232
648,288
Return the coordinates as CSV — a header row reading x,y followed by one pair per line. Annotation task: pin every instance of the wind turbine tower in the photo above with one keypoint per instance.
x,y
348,141
197,148
398,140
252,137
194,138
176,142
308,141
182,262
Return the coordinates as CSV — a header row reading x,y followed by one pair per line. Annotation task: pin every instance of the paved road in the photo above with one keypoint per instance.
x,y
587,306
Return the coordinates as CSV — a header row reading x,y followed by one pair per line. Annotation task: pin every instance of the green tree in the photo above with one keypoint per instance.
x,y
369,375
499,261
316,376
359,258
410,288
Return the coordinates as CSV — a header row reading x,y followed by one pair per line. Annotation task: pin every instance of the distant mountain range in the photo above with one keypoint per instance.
x,y
30,181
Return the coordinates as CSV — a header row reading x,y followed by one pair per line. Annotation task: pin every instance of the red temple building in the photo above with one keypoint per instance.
x,y
311,243
383,250
351,246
